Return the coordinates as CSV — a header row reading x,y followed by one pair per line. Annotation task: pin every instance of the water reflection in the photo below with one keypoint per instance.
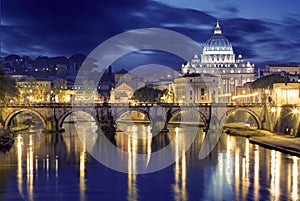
x,y
58,167
275,175
295,189
20,169
30,168
82,174
132,151
256,172
179,174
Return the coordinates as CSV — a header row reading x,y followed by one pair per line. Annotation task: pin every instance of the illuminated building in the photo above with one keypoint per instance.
x,y
195,88
292,69
121,94
34,91
286,93
218,58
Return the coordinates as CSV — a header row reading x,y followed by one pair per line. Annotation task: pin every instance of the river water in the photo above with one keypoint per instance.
x,y
43,167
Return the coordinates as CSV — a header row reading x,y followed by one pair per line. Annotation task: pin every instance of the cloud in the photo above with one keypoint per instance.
x,y
34,27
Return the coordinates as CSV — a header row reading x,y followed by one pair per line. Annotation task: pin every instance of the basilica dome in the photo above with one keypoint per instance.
x,y
218,42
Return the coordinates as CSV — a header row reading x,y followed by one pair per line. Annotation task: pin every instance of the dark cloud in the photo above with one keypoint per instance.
x,y
35,27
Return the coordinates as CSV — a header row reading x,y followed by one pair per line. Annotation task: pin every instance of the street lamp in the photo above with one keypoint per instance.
x,y
295,111
273,109
286,93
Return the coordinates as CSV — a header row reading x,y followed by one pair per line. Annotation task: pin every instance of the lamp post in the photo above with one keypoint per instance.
x,y
277,91
286,94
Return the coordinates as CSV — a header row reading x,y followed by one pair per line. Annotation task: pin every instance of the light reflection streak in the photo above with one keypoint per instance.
x,y
237,171
82,173
177,169
56,166
295,174
228,160
47,166
183,177
36,165
219,178
180,185
256,172
20,170
289,177
149,140
275,175
30,169
245,166
131,181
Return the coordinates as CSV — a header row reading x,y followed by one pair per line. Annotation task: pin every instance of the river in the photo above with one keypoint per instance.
x,y
43,167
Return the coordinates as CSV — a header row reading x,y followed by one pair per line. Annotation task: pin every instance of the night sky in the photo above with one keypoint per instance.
x,y
263,31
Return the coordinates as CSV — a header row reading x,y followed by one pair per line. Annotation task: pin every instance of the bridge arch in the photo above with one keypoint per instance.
x,y
250,112
179,110
66,114
9,118
118,114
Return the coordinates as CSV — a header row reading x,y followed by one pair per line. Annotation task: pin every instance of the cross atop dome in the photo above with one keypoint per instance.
x,y
218,29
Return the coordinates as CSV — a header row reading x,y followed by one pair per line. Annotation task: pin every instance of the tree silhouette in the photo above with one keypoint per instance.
x,y
268,81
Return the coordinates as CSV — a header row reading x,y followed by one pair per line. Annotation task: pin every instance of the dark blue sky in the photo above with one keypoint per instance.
x,y
263,31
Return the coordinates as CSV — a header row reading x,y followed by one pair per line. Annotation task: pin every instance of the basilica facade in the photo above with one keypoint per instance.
x,y
218,59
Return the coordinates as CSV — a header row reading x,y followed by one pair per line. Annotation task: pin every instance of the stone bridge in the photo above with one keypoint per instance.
x,y
212,115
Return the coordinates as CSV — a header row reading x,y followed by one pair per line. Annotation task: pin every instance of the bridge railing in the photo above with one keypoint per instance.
x,y
89,104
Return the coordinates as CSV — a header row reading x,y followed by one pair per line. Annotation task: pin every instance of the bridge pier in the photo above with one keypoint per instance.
x,y
52,126
159,125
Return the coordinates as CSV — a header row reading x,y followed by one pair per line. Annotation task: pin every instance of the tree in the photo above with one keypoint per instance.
x,y
8,91
148,94
8,88
268,81
88,88
59,89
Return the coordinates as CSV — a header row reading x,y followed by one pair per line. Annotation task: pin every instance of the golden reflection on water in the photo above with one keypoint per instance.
x,y
239,166
245,170
179,188
149,141
20,170
229,160
132,143
275,175
82,160
237,171
30,168
256,172
295,174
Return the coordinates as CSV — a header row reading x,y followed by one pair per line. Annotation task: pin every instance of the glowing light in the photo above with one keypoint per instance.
x,y
245,96
224,95
273,109
295,111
